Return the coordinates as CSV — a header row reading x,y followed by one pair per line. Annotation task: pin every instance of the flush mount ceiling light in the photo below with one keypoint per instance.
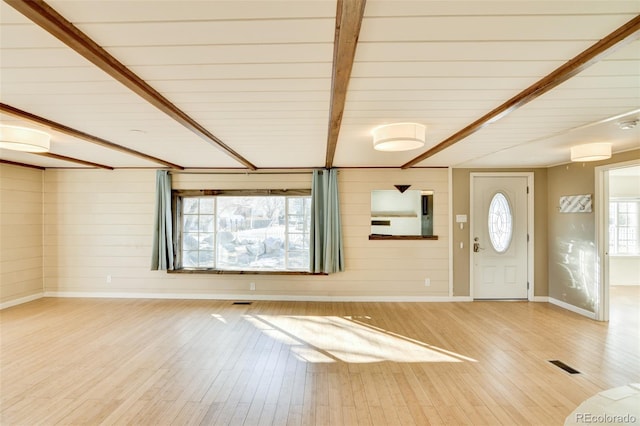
x,y
24,139
591,152
399,137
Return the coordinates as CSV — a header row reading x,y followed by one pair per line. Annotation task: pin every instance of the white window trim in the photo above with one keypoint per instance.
x,y
178,222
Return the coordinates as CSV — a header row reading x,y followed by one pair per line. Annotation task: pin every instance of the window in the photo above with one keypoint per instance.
x,y
198,216
624,223
500,223
244,232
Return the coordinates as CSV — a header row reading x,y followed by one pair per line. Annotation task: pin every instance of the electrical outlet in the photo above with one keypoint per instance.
x,y
427,282
108,279
252,286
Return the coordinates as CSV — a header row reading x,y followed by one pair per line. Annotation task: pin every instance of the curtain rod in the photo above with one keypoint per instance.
x,y
238,173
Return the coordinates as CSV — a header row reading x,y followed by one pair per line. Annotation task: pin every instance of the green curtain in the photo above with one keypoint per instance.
x,y
327,252
162,255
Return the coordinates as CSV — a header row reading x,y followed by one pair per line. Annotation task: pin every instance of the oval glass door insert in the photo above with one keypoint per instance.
x,y
500,223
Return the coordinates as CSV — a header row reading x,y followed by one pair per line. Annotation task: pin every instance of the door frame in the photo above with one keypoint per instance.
x,y
601,201
530,223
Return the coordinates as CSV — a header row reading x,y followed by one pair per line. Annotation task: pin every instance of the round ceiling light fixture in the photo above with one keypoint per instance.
x,y
24,139
591,152
399,137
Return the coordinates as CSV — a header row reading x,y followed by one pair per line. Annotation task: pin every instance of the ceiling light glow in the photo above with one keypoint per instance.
x,y
399,137
591,152
24,139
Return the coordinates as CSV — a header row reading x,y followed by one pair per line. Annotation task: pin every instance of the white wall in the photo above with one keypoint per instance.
x,y
624,186
99,223
624,270
20,233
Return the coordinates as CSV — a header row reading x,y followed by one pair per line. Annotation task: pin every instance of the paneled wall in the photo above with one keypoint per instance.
x,y
98,227
573,257
461,206
20,233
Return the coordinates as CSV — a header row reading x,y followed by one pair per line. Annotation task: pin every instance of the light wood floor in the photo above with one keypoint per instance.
x,y
100,361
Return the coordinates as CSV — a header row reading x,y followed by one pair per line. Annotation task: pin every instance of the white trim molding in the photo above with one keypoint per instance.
x,y
572,308
601,200
268,297
530,176
450,189
21,300
540,299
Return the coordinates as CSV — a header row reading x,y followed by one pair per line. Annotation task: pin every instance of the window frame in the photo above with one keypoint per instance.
x,y
614,226
178,195
500,199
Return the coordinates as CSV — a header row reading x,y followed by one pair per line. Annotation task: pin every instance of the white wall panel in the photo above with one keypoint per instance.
x,y
99,224
21,242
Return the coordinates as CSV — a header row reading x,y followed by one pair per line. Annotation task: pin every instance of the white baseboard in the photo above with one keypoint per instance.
x,y
276,297
572,308
540,299
269,297
21,300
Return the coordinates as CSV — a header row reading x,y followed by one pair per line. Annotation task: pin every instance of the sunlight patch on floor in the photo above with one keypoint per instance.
x,y
219,318
331,339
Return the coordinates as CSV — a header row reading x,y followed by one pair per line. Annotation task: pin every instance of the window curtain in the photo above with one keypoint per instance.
x,y
327,252
162,256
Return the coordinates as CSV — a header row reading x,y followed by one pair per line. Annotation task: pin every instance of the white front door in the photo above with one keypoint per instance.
x,y
499,237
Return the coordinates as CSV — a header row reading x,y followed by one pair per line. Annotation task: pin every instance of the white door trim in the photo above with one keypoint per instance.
x,y
450,230
601,201
530,223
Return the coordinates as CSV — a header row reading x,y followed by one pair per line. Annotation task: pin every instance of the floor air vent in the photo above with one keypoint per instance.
x,y
241,303
564,366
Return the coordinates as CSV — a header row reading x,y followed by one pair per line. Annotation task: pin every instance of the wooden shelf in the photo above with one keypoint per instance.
x,y
402,237
394,214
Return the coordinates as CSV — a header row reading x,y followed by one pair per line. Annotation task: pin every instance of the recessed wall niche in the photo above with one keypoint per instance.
x,y
402,214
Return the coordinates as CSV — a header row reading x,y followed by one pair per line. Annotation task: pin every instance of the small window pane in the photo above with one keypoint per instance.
x,y
190,259
298,260
190,223
190,205
205,259
207,205
206,242
190,241
206,223
298,242
296,206
500,223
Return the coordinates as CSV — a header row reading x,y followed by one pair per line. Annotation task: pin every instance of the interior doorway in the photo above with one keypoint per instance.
x,y
618,241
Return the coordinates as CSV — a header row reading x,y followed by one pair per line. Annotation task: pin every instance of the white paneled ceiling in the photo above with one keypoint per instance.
x,y
258,76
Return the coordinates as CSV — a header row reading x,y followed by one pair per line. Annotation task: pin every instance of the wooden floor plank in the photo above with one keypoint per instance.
x,y
187,362
191,413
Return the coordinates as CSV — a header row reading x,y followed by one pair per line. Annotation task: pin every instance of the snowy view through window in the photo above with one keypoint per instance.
x,y
246,233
